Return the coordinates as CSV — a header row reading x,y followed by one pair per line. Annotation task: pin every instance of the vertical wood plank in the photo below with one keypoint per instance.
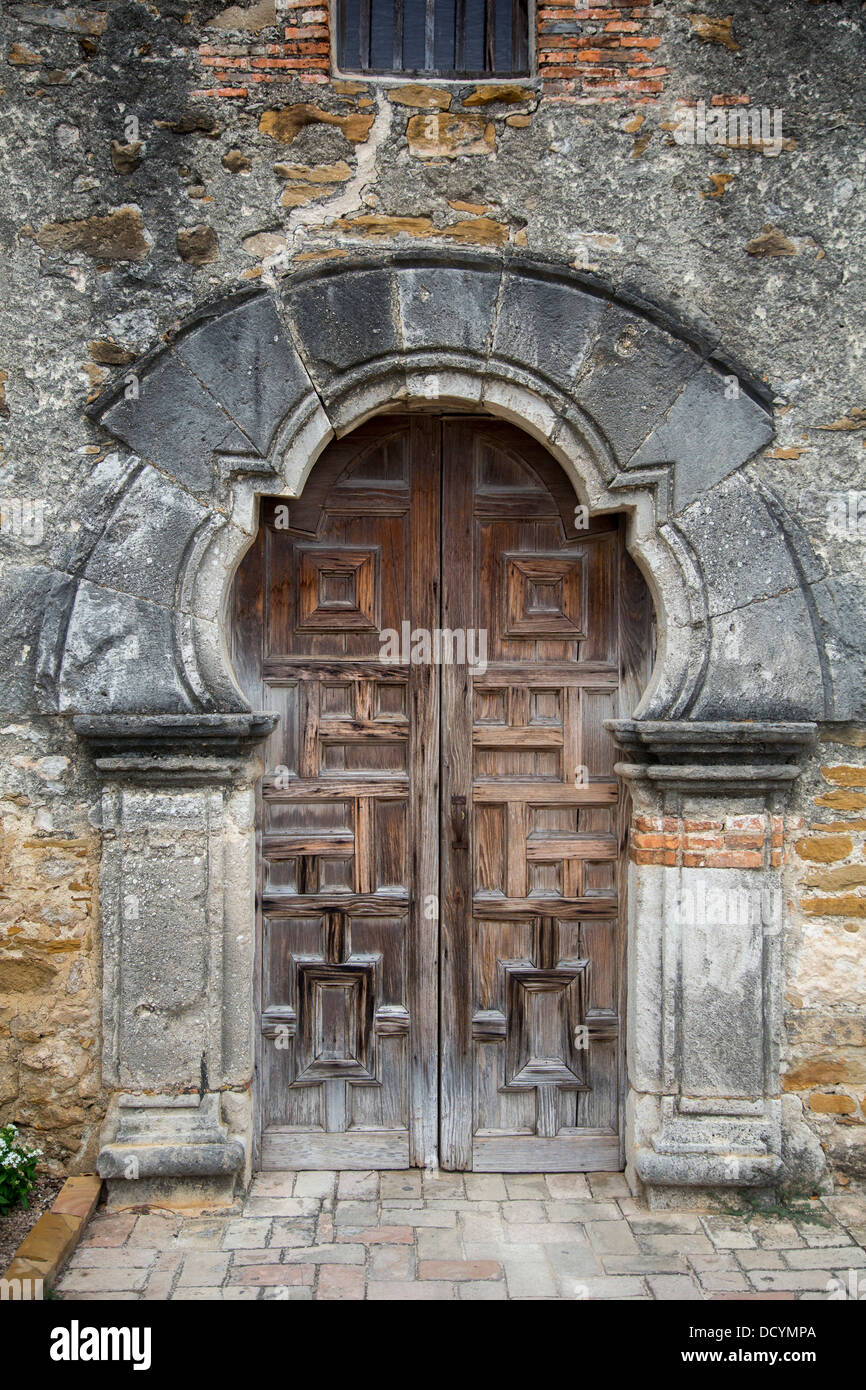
x,y
309,759
334,925
489,35
520,36
546,1115
398,36
517,886
571,744
424,804
456,734
365,868
335,1107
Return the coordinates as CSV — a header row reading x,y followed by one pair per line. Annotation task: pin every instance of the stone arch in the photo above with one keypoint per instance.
x,y
643,414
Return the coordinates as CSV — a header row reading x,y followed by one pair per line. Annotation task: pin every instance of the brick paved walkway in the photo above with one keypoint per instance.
x,y
465,1236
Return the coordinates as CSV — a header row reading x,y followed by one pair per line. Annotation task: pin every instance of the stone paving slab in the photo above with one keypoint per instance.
x,y
467,1236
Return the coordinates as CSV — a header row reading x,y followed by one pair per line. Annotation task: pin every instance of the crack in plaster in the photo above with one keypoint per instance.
x,y
305,219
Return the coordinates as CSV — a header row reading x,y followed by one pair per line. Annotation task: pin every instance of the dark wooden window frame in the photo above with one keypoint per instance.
x,y
522,51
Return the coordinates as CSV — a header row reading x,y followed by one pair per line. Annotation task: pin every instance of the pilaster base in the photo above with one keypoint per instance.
x,y
177,1146
187,1195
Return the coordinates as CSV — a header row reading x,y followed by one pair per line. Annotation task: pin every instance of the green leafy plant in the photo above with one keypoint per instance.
x,y
17,1169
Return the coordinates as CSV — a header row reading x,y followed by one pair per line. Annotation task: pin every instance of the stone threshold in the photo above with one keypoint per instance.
x,y
43,1253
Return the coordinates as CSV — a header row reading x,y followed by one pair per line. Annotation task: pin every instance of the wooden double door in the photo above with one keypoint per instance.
x,y
441,831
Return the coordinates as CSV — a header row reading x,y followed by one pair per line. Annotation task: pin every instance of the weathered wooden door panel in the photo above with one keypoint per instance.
x,y
531,947
522,1067
347,1060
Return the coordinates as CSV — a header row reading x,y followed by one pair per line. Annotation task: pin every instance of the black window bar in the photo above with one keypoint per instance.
x,y
434,38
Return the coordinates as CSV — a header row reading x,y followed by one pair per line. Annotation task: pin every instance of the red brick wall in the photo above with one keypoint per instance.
x,y
583,55
599,55
303,52
729,842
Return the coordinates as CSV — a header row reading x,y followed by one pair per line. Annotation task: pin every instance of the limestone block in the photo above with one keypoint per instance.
x,y
421,95
739,676
645,1041
343,321
141,549
546,326
167,1136
723,929
162,938
708,432
635,370
174,423
238,1004
247,362
35,603
447,307
118,655
744,557
446,136
804,1158
756,605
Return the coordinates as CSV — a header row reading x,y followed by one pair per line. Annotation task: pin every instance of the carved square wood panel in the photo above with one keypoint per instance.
x,y
336,1011
337,589
544,596
543,1011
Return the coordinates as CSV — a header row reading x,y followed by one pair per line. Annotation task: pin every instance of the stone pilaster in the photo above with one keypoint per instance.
x,y
178,928
706,919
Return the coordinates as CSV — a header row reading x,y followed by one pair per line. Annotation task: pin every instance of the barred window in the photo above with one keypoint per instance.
x,y
434,38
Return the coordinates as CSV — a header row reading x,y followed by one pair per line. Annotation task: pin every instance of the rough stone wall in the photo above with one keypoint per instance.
x,y
825,938
50,952
160,155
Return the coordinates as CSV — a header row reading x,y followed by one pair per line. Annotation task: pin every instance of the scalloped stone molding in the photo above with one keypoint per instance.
x,y
644,416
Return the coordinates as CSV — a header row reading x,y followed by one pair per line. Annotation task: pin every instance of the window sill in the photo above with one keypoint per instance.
x,y
531,82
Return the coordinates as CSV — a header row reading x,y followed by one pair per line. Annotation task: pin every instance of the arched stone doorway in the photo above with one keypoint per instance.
x,y
645,417
441,976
